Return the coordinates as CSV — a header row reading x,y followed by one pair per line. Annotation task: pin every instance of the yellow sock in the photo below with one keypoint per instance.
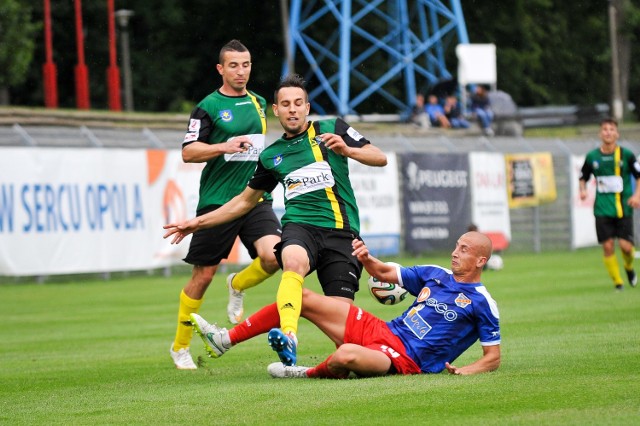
x,y
628,259
611,263
250,276
185,331
289,301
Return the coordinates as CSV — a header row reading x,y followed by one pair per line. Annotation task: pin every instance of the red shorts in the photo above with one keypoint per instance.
x,y
366,330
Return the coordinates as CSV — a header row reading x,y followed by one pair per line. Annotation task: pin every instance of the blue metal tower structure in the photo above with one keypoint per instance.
x,y
366,56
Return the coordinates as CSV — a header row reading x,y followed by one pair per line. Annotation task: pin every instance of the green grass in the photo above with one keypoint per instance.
x,y
96,352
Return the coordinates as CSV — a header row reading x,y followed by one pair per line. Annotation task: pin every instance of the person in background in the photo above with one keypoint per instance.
x,y
616,170
436,112
227,132
454,114
452,310
481,109
419,116
321,214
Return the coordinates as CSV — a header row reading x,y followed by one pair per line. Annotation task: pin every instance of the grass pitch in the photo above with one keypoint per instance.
x,y
96,352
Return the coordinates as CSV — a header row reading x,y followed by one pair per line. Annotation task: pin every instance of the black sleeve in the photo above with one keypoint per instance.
x,y
586,171
262,179
350,135
634,167
199,128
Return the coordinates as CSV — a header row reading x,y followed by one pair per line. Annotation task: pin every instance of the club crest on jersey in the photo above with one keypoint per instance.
x,y
462,300
226,115
277,159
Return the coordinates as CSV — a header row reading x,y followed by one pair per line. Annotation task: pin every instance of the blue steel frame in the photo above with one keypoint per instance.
x,y
418,33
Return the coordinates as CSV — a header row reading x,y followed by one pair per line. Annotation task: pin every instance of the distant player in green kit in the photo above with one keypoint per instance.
x,y
613,167
321,218
227,131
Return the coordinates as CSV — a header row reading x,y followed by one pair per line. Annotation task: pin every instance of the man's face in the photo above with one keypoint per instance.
x,y
464,257
235,70
292,110
609,133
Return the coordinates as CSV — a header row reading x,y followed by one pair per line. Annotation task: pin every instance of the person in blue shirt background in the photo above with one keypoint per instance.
x,y
452,310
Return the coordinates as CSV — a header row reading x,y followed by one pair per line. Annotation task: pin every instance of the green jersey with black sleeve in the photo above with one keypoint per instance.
x,y
613,174
317,189
216,119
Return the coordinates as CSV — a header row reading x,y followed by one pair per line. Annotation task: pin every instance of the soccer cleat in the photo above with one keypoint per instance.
x,y
633,278
234,307
619,287
182,359
280,371
216,339
284,344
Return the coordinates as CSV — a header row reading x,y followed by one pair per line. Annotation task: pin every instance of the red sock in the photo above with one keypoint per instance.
x,y
260,322
321,371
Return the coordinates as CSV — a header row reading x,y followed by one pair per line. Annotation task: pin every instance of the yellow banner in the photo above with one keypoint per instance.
x,y
530,179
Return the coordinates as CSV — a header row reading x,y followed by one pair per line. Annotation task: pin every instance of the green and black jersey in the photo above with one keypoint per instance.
x,y
317,189
613,173
216,119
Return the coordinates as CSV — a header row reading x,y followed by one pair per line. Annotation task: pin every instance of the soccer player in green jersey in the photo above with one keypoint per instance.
x,y
321,215
227,132
613,167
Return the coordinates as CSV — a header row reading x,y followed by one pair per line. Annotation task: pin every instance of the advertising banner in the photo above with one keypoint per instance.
x,y
436,200
75,210
489,201
531,179
583,223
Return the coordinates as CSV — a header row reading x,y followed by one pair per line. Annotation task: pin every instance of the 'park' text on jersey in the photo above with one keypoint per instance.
x,y
216,119
446,318
317,189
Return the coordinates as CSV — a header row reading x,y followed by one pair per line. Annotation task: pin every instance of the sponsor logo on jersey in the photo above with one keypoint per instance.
x,y
313,177
424,294
194,125
354,134
462,300
226,115
190,137
443,309
414,322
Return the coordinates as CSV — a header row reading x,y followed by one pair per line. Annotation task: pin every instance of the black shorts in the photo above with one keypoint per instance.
x,y
209,246
613,227
329,252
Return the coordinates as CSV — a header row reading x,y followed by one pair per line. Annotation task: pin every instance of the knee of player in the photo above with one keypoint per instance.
x,y
270,263
345,356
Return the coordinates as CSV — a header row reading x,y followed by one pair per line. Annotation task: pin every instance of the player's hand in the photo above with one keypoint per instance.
x,y
334,143
360,250
180,230
634,201
237,144
452,369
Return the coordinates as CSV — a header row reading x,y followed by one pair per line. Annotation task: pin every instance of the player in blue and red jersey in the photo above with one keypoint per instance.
x,y
452,310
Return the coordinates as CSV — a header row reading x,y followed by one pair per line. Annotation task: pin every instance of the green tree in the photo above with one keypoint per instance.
x,y
16,45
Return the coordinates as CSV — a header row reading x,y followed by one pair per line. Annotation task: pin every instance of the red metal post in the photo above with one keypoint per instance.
x,y
113,72
81,72
49,71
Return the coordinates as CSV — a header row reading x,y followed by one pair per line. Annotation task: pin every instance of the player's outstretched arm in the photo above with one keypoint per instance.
x,y
238,206
489,361
374,266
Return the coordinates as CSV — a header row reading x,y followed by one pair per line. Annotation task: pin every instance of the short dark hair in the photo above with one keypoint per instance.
x,y
291,80
609,120
233,46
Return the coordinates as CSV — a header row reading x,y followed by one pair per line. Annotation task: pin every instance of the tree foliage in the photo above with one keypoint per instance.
x,y
16,42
